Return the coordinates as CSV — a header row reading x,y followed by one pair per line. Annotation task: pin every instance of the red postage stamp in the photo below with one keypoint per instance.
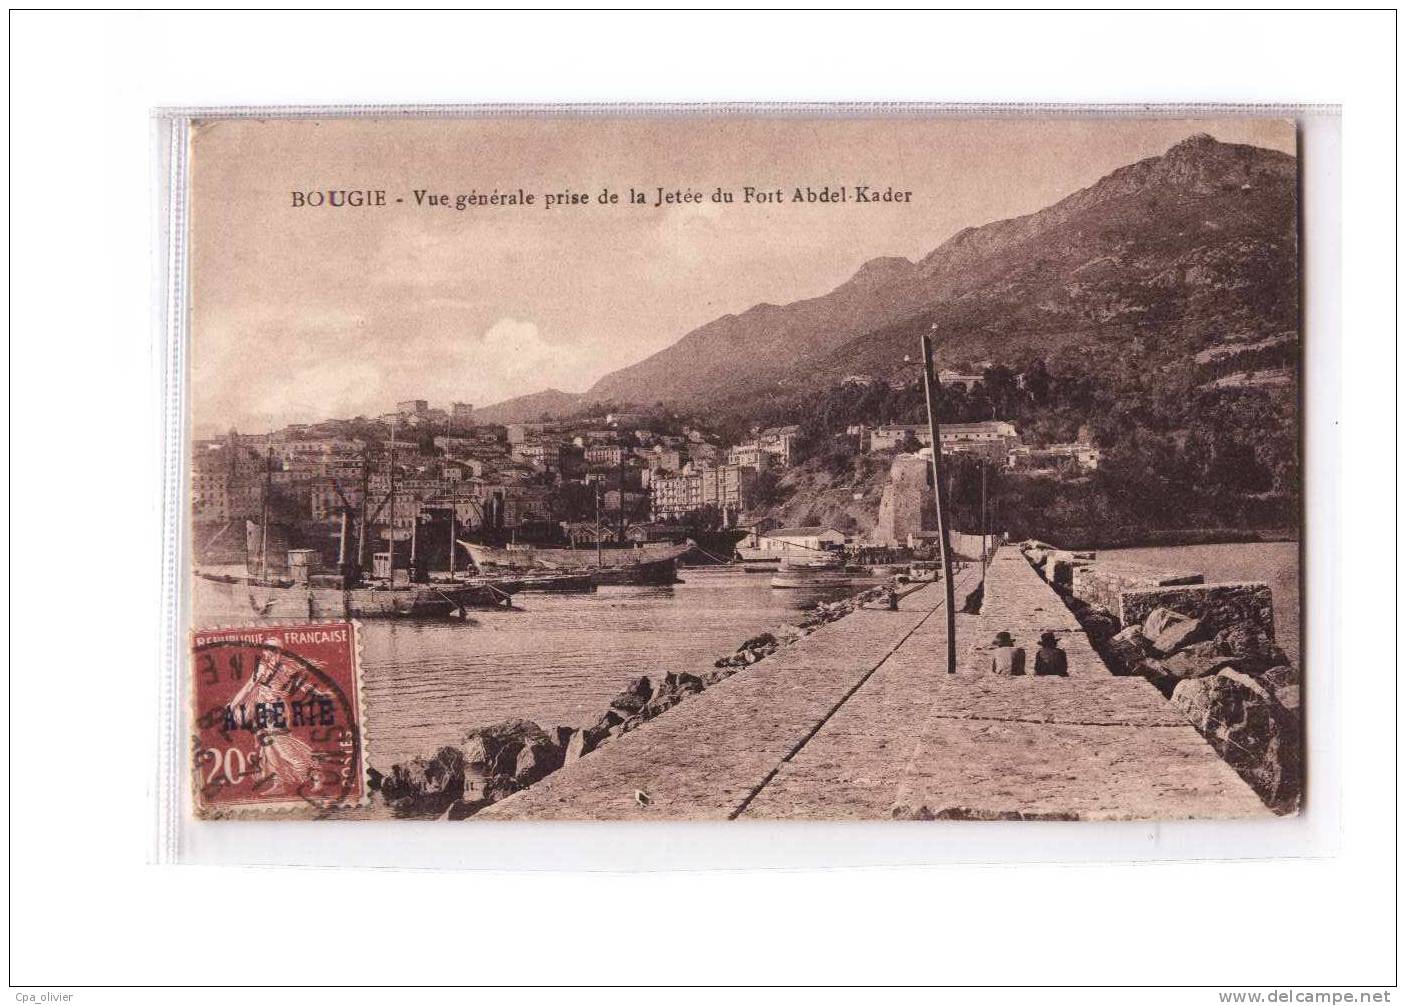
x,y
277,718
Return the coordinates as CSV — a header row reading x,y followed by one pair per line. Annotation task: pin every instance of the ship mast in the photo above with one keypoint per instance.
x,y
361,524
264,515
390,478
452,522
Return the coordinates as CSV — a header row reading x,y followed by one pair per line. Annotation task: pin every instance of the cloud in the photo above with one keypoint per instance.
x,y
342,365
515,358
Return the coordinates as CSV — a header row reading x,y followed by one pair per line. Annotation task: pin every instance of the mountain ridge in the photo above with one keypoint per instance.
x,y
1172,252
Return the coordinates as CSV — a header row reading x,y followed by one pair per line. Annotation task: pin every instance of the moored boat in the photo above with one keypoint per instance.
x,y
640,564
819,571
544,583
286,599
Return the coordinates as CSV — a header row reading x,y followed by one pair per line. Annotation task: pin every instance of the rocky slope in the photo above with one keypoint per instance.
x,y
1177,253
526,408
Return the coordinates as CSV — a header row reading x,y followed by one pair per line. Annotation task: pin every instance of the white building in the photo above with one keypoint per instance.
x,y
799,541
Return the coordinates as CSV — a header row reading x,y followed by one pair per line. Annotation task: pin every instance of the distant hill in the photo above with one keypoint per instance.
x,y
1174,254
526,408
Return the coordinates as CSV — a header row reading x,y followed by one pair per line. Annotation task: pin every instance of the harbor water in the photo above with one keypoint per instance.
x,y
556,659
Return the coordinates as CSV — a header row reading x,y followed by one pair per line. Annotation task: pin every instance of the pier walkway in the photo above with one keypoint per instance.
x,y
859,720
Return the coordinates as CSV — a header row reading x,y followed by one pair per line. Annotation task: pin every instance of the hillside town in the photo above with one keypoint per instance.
x,y
633,476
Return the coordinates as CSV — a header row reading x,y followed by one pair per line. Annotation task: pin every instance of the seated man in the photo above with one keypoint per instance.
x,y
1007,659
1049,658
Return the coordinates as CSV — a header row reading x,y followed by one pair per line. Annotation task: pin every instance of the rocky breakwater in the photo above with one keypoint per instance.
x,y
1234,684
1210,649
495,761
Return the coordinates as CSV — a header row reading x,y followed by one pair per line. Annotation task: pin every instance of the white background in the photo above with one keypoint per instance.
x,y
85,907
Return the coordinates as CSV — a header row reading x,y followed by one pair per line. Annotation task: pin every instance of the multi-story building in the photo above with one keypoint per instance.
x,y
668,459
953,379
992,439
461,416
536,453
705,454
511,506
219,496
750,456
412,407
1084,456
728,488
676,495
326,503
605,454
455,446
780,442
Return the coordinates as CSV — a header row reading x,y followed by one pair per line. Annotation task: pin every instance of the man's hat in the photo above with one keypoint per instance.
x,y
1003,638
1047,638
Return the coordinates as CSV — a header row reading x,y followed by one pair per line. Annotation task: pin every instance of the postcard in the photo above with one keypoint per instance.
x,y
743,466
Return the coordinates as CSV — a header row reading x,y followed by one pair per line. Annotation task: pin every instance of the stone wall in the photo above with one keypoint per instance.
x,y
1103,583
1219,605
906,504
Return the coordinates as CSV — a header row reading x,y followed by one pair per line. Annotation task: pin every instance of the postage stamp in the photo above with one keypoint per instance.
x,y
277,718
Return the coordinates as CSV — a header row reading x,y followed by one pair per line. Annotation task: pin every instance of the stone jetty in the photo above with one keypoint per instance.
x,y
859,720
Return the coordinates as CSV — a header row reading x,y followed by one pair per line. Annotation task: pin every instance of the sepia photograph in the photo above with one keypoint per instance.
x,y
771,500
745,468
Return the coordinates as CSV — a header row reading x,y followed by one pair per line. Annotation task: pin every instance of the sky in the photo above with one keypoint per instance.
x,y
301,313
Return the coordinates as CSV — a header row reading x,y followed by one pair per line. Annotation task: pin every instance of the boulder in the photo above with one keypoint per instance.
x,y
610,718
766,638
633,698
1279,676
1158,619
661,704
425,787
1255,734
1250,647
1126,649
1195,661
493,750
679,682
560,736
1155,671
1288,698
1100,625
626,726
1177,635
1283,683
580,744
459,810
535,760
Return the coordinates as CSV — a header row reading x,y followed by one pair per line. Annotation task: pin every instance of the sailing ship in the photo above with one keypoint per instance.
x,y
617,564
284,583
638,564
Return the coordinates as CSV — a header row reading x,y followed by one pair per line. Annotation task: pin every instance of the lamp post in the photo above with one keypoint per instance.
x,y
930,387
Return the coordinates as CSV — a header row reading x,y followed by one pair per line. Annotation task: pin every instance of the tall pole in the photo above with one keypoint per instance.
x,y
930,387
452,522
597,494
983,521
361,524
